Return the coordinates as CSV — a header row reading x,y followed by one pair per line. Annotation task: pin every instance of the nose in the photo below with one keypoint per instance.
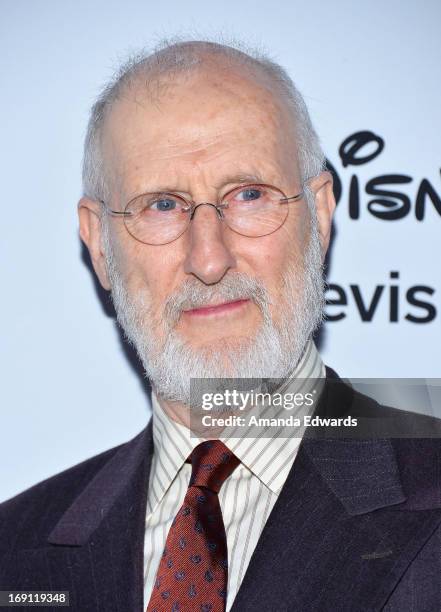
x,y
208,256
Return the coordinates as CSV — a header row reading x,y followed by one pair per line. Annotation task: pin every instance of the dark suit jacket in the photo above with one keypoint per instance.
x,y
355,528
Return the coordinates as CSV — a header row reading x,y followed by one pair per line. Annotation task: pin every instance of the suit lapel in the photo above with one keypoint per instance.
x,y
340,535
315,553
95,550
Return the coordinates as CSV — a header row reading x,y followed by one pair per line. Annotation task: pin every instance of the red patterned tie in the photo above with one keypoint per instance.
x,y
192,574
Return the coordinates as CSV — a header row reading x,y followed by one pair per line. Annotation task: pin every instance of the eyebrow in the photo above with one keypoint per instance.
x,y
236,179
241,178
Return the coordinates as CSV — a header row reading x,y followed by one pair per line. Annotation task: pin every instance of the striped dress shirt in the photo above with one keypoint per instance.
x,y
247,496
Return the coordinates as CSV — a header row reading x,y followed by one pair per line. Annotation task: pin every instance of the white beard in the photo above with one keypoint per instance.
x,y
170,363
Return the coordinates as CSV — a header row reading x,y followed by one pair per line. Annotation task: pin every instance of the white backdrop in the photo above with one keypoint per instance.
x,y
68,390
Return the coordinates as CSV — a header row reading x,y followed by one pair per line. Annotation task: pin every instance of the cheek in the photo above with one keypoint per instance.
x,y
128,255
271,256
149,268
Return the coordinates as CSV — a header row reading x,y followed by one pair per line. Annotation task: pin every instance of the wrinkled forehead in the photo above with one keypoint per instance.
x,y
192,117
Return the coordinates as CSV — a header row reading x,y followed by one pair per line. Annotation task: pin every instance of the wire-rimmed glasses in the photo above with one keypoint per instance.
x,y
253,210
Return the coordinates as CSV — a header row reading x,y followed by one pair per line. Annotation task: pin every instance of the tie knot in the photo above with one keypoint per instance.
x,y
211,463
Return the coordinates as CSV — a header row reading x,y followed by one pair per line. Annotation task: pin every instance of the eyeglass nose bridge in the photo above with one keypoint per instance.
x,y
218,208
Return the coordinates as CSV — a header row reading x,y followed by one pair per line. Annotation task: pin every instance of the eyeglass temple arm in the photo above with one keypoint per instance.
x,y
293,198
118,213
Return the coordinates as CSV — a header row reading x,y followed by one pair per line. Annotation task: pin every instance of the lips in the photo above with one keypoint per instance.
x,y
215,309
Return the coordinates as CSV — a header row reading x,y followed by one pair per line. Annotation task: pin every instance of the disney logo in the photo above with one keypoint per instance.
x,y
388,202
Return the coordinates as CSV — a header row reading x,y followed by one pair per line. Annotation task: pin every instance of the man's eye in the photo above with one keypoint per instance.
x,y
163,204
246,195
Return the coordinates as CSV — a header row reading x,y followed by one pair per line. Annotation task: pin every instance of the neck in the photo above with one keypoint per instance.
x,y
176,411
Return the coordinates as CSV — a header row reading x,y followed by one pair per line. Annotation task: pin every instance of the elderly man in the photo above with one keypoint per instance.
x,y
207,213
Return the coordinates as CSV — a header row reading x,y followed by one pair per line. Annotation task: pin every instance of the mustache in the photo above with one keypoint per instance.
x,y
194,294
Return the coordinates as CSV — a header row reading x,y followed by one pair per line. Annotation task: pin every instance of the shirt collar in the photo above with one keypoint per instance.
x,y
269,458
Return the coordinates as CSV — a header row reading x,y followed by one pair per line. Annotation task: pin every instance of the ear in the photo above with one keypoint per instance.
x,y
321,186
89,212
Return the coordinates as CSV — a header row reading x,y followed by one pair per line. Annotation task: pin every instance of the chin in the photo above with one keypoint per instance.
x,y
220,346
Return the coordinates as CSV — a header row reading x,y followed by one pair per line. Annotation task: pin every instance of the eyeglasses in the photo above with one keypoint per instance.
x,y
250,210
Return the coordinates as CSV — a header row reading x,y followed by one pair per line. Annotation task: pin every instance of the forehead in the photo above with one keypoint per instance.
x,y
213,121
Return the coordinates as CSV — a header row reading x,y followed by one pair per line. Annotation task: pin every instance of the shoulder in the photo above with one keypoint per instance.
x,y
414,437
341,398
31,514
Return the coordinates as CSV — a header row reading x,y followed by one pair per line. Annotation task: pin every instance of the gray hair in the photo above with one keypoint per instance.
x,y
173,58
